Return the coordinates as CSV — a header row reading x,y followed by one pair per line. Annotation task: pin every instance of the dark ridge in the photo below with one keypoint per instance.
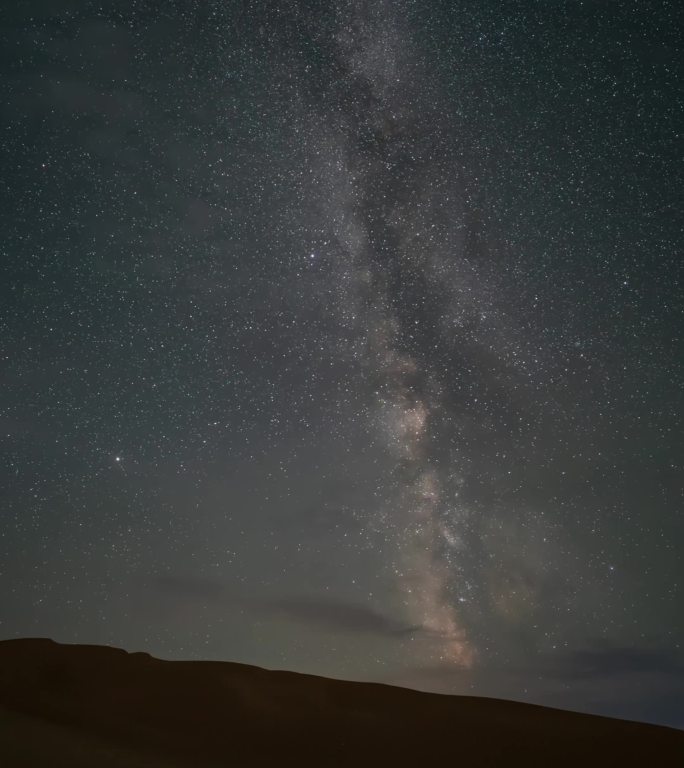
x,y
85,705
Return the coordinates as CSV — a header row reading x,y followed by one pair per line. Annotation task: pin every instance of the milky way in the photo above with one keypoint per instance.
x,y
385,149
346,338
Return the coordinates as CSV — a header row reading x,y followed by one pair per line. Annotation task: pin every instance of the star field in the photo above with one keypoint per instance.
x,y
346,338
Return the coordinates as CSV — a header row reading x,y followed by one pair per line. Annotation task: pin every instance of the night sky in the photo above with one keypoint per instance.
x,y
346,338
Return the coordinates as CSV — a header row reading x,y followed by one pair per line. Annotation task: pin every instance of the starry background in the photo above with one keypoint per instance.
x,y
346,338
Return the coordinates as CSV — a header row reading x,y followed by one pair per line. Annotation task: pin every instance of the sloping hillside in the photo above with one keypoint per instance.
x,y
70,705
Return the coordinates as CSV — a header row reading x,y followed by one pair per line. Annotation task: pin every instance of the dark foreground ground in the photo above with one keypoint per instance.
x,y
78,706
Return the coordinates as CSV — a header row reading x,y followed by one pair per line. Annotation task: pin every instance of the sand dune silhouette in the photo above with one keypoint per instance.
x,y
77,705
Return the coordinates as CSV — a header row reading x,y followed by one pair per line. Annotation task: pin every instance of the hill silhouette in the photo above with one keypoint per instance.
x,y
79,705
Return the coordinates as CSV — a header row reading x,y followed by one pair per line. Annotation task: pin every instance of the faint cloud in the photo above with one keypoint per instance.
x,y
332,614
336,615
607,661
